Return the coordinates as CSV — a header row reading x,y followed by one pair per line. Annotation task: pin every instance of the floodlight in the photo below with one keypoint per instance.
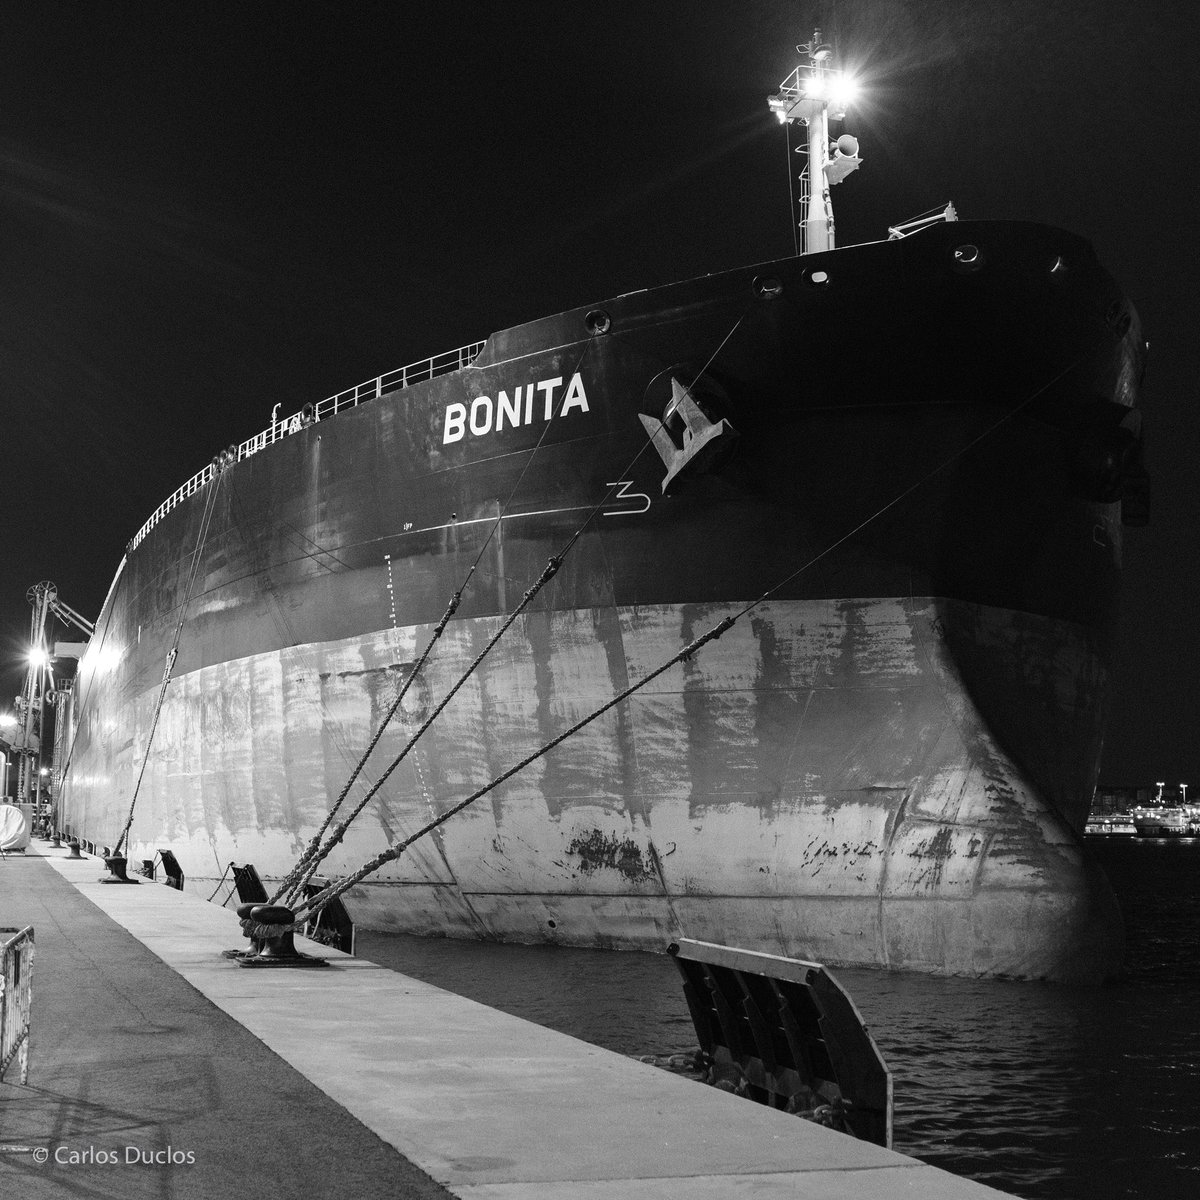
x,y
844,91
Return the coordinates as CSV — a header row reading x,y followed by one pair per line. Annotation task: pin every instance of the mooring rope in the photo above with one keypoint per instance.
x,y
293,884
315,853
205,521
908,491
338,888
336,836
309,856
279,615
87,691
317,902
224,876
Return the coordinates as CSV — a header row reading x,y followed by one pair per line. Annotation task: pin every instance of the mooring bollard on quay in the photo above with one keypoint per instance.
x,y
271,929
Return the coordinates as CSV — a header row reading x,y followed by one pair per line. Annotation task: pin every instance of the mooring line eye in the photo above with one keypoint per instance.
x,y
597,322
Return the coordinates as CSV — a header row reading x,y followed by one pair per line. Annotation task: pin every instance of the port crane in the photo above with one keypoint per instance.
x,y
38,689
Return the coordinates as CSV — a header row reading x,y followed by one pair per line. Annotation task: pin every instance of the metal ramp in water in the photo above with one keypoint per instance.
x,y
784,1032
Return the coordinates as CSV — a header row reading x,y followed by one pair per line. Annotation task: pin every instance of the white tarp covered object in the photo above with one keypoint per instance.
x,y
14,828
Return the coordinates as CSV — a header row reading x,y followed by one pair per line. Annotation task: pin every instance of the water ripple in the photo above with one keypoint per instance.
x,y
1051,1093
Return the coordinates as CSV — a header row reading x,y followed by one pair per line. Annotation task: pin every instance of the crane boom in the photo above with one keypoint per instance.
x,y
64,612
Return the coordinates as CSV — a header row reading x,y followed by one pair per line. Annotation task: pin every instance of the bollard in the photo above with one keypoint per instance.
x,y
256,943
116,865
74,846
276,949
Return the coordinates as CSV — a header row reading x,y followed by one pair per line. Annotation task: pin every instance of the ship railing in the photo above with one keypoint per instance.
x,y
16,999
372,389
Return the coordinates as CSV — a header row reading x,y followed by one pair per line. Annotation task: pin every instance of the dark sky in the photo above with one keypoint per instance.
x,y
206,210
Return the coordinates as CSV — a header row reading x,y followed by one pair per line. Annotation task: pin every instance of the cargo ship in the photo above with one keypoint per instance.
x,y
1161,821
1117,824
893,475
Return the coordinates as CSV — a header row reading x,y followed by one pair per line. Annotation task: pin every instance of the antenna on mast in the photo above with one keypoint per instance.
x,y
812,95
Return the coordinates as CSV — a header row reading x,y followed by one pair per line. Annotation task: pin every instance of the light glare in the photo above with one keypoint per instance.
x,y
845,91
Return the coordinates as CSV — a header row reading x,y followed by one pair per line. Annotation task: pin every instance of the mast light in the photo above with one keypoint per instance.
x,y
813,94
842,93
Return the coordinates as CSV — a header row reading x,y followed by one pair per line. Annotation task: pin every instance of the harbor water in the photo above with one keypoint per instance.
x,y
1045,1091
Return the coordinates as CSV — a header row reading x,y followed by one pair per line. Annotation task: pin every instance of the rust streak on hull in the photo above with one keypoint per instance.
x,y
816,784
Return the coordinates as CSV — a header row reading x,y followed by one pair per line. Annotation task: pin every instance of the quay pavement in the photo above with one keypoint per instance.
x,y
159,1068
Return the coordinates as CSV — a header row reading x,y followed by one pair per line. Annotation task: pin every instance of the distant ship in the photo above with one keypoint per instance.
x,y
1110,825
1160,821
901,466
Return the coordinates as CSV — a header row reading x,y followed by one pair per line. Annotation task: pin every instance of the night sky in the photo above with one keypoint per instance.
x,y
208,210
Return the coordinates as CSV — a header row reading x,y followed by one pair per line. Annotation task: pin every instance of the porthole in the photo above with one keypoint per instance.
x,y
768,287
817,278
597,322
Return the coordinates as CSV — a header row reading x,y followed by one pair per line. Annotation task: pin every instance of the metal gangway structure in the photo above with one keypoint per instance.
x,y
16,999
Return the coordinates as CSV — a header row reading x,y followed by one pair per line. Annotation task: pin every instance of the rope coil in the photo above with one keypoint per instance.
x,y
259,929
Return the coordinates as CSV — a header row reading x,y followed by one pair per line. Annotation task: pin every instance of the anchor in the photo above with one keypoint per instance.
x,y
701,443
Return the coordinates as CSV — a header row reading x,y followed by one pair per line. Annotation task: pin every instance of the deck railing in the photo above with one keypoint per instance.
x,y
16,999
372,389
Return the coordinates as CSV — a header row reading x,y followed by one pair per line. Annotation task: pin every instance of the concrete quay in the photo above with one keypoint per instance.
x,y
352,1081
